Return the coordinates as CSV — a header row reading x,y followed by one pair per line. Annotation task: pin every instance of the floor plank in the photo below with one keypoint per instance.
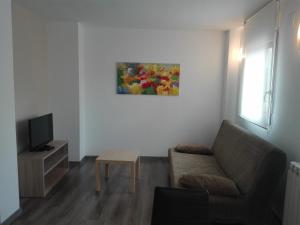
x,y
74,200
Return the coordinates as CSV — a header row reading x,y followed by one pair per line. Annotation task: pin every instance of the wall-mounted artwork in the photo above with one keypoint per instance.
x,y
148,79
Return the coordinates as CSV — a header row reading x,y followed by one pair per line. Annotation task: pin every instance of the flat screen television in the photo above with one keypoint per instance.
x,y
40,132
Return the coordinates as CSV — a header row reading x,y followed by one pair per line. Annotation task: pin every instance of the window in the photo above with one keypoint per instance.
x,y
257,78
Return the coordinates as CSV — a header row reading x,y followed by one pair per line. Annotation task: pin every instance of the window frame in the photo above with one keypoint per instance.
x,y
272,77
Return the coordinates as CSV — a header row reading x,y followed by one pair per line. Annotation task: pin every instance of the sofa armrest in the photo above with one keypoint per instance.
x,y
269,174
180,206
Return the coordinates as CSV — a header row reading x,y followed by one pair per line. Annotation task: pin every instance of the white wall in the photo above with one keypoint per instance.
x,y
46,64
285,129
81,54
231,79
30,70
9,193
63,83
151,124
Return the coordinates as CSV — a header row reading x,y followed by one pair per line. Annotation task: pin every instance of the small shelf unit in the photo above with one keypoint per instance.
x,y
39,172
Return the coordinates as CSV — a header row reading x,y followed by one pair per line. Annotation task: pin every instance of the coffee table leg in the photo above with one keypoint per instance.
x,y
106,170
98,183
133,165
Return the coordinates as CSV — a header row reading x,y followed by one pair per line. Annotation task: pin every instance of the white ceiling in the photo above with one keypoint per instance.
x,y
155,14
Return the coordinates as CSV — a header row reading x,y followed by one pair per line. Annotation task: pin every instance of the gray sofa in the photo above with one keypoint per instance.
x,y
253,164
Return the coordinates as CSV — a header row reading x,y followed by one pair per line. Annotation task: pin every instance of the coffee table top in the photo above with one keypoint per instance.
x,y
117,156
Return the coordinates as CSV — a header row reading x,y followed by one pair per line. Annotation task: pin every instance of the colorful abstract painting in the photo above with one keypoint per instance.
x,y
148,79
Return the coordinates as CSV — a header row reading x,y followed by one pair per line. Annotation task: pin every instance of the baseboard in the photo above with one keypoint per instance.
x,y
79,163
154,157
92,157
89,157
74,163
12,218
149,158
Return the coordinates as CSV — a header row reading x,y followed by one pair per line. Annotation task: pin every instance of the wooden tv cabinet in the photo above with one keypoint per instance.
x,y
39,172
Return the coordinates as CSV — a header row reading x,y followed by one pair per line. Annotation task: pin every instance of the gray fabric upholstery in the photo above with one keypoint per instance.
x,y
192,164
235,148
215,185
194,149
253,164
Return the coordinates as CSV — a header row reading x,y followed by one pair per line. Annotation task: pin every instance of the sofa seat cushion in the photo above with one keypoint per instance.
x,y
192,164
215,185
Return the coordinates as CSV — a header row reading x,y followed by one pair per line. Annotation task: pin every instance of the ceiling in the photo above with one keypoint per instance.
x,y
153,14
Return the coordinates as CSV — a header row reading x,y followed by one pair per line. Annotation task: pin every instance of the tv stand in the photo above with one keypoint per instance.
x,y
40,171
48,147
43,148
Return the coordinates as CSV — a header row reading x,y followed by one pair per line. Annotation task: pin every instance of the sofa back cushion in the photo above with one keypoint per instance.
x,y
240,154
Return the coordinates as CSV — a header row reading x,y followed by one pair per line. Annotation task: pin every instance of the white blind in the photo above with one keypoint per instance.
x,y
257,79
260,29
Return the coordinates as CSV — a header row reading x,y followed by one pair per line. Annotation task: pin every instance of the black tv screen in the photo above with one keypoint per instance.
x,y
40,131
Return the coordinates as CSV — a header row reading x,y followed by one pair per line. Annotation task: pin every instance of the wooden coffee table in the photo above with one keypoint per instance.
x,y
118,157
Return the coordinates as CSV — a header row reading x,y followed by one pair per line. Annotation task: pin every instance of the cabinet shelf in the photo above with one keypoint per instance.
x,y
39,172
55,164
53,178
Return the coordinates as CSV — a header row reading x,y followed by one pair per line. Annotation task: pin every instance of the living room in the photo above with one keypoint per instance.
x,y
63,59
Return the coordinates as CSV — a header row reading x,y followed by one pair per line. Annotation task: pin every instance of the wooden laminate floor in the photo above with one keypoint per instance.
x,y
75,202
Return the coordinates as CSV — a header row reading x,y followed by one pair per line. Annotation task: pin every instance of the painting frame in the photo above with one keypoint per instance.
x,y
162,79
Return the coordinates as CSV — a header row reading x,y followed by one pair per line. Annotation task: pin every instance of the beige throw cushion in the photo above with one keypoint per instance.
x,y
194,149
215,185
